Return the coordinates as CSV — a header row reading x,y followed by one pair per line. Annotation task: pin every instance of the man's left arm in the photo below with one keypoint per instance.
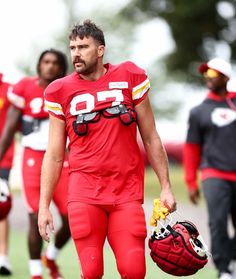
x,y
155,151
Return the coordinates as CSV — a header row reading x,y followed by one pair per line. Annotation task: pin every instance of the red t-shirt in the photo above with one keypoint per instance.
x,y
106,166
4,105
28,96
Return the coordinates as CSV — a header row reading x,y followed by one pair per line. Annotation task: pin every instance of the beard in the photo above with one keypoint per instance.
x,y
85,68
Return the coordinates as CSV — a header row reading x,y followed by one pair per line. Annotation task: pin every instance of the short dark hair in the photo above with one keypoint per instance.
x,y
62,61
87,29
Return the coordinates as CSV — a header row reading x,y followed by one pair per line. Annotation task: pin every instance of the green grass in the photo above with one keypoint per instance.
x,y
70,268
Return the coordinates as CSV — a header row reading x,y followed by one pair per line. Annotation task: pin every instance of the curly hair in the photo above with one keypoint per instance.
x,y
87,29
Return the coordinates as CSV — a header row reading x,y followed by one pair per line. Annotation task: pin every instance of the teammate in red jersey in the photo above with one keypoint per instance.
x,y
5,167
99,107
27,101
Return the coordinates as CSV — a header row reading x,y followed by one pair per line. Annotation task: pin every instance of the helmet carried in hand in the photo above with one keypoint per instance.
x,y
178,249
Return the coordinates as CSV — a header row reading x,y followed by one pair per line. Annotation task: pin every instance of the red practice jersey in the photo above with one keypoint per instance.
x,y
106,166
4,105
28,96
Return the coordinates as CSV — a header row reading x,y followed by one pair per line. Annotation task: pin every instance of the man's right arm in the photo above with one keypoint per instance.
x,y
10,127
155,151
51,170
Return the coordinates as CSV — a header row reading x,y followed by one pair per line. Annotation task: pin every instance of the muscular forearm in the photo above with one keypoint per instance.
x,y
51,170
158,159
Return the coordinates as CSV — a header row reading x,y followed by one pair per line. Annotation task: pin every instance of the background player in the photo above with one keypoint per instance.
x,y
211,145
27,99
99,107
5,167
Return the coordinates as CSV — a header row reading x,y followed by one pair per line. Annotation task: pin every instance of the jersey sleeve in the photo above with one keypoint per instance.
x,y
191,163
139,82
16,94
52,101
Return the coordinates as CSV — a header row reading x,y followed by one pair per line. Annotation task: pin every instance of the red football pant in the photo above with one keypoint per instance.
x,y
32,163
125,228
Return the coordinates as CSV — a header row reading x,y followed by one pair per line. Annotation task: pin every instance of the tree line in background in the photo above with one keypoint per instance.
x,y
198,28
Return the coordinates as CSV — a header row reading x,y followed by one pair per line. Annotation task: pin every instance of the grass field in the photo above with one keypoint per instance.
x,y
68,258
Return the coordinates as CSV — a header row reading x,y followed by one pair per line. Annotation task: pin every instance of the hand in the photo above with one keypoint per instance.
x,y
167,199
194,196
45,222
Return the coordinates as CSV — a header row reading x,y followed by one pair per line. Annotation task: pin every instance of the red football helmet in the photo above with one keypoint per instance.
x,y
179,249
5,199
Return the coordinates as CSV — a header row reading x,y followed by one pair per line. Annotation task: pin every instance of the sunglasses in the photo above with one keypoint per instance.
x,y
210,73
126,116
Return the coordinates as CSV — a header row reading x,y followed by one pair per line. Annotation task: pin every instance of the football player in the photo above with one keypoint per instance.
x,y
99,107
27,99
5,167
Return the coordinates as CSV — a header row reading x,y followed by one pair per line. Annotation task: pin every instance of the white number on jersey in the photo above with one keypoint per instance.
x,y
89,100
36,105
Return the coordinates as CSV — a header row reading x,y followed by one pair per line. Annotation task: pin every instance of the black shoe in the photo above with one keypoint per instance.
x,y
5,271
